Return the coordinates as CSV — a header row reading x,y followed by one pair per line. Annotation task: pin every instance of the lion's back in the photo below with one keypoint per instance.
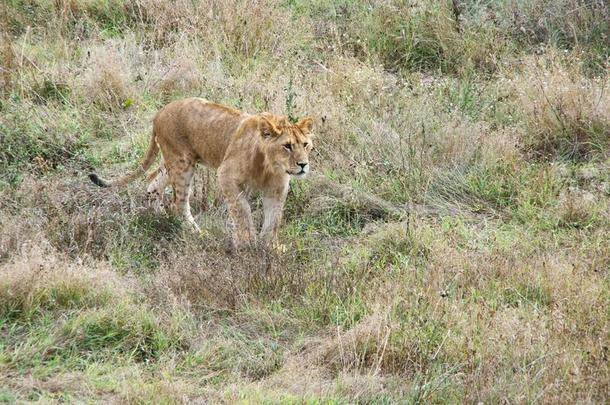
x,y
197,126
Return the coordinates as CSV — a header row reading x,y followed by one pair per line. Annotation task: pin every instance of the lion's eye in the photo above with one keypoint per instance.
x,y
288,146
306,144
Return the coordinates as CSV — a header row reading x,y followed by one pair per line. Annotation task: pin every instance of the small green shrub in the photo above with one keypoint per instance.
x,y
413,40
28,145
123,329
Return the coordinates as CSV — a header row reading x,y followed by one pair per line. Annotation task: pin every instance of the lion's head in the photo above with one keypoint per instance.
x,y
287,145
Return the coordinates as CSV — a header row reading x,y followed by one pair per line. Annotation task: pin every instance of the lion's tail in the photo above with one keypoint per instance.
x,y
151,153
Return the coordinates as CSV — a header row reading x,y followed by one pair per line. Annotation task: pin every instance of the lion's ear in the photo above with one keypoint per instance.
x,y
267,127
306,124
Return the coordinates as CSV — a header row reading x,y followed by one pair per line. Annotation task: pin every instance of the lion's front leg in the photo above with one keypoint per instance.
x,y
240,213
273,207
243,232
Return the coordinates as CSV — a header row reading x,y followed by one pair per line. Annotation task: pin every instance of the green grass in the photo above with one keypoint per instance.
x,y
456,252
136,248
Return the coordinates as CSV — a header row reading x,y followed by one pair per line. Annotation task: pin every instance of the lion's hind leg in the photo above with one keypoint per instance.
x,y
158,181
181,175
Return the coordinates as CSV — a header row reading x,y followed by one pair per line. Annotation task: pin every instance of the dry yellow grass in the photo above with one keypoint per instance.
x,y
566,114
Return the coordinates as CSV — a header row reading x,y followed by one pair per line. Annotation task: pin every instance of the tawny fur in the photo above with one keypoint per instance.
x,y
252,152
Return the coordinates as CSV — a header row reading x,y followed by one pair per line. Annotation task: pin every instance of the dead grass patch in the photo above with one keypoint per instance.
x,y
567,115
106,81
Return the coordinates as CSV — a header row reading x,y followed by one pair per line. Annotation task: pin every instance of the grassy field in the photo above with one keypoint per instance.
x,y
452,246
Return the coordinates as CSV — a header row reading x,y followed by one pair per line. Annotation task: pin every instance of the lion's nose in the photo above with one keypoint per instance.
x,y
302,164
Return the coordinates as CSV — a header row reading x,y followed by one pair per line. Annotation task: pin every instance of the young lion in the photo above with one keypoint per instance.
x,y
251,152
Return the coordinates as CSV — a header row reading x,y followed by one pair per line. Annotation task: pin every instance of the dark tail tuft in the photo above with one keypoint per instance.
x,y
97,181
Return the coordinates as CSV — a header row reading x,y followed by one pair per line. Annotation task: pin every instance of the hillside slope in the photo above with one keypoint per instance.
x,y
453,244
